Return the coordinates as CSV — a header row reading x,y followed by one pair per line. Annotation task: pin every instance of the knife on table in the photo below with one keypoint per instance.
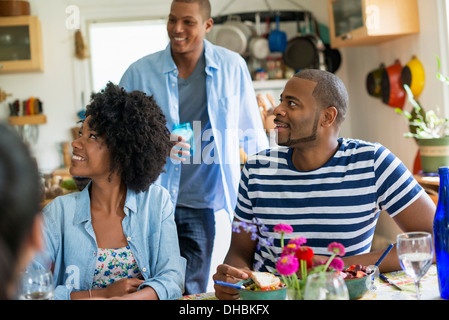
x,y
384,278
381,276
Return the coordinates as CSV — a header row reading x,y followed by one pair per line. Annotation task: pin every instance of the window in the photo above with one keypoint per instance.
x,y
114,46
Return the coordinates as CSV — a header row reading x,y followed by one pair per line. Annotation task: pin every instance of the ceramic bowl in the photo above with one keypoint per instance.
x,y
357,287
278,294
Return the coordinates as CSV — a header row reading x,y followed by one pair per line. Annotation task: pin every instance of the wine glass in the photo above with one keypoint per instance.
x,y
36,285
415,253
325,286
372,278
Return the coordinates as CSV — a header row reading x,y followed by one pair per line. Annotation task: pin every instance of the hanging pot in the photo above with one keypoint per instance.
x,y
332,58
393,94
305,52
233,35
258,45
413,75
14,8
277,39
373,81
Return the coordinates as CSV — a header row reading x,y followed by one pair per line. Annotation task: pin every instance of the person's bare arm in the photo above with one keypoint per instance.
x,y
416,217
237,264
120,288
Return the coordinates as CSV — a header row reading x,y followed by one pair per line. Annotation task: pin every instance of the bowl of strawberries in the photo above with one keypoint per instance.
x,y
358,279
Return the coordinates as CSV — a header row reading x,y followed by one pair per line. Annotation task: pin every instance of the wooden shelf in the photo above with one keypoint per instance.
x,y
31,119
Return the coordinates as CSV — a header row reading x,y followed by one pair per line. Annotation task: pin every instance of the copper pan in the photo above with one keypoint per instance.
x,y
14,8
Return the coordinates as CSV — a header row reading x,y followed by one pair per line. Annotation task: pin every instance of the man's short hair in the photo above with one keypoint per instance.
x,y
204,6
329,91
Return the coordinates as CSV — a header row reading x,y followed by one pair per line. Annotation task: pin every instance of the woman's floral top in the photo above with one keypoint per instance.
x,y
113,265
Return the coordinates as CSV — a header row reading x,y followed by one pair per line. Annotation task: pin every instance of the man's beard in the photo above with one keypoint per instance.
x,y
292,142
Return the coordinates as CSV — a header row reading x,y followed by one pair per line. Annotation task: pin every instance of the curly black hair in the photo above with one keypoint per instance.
x,y
134,129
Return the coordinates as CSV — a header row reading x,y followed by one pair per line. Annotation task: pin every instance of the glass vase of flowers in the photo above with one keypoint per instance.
x,y
295,262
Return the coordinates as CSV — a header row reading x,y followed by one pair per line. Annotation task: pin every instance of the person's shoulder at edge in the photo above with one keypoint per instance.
x,y
223,56
348,144
155,190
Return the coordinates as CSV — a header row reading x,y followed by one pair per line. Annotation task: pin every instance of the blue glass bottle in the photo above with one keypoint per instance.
x,y
185,130
441,233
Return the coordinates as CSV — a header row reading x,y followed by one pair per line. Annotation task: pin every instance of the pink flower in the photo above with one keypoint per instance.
x,y
299,241
287,265
290,248
283,228
337,264
336,248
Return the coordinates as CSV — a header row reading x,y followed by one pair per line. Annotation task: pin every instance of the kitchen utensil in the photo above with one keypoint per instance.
x,y
384,255
332,58
14,8
258,45
305,51
277,39
387,280
262,108
413,75
233,35
230,285
393,94
373,81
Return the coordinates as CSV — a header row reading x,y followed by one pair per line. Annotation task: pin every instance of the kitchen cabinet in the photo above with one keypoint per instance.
x,y
369,22
20,44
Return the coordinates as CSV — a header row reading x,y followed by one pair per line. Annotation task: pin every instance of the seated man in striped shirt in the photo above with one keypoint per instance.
x,y
327,188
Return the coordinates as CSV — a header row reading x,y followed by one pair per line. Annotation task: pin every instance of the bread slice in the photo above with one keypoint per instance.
x,y
265,279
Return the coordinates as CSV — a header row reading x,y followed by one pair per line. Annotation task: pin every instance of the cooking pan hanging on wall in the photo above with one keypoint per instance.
x,y
306,51
393,93
332,58
413,75
373,81
258,45
233,35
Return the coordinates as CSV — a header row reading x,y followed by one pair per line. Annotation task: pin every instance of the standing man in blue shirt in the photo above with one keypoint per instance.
x,y
195,81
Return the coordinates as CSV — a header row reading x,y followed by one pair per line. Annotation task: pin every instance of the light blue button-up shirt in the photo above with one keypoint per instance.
x,y
148,226
231,104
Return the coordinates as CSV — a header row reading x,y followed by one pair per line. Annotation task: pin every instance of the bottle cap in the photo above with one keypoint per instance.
x,y
443,170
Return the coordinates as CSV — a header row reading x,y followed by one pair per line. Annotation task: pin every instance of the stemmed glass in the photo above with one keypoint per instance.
x,y
415,252
36,285
325,286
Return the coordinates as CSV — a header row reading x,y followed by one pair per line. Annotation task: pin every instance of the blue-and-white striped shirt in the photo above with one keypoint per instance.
x,y
339,201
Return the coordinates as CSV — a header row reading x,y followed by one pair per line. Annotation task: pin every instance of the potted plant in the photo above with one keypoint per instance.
x,y
430,131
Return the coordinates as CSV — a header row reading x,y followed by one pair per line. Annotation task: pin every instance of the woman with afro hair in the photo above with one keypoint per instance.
x,y
117,237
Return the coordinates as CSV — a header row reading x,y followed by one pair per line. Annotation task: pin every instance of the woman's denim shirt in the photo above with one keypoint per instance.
x,y
149,228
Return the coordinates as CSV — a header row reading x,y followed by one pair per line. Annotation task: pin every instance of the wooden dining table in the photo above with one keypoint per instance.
x,y
383,290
